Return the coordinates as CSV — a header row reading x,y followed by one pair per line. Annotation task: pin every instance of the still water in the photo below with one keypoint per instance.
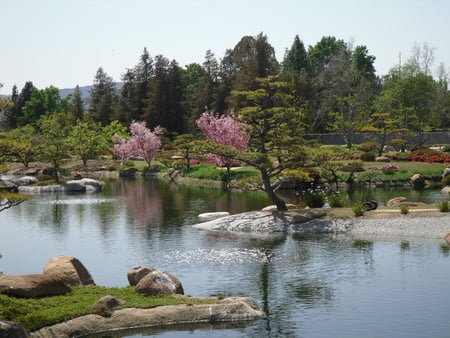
x,y
309,287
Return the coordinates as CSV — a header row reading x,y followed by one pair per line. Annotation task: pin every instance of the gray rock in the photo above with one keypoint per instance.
x,y
85,184
9,186
12,330
418,181
209,216
106,303
26,180
41,189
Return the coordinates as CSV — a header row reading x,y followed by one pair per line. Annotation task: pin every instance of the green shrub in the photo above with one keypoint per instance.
x,y
314,198
404,209
444,206
368,147
358,209
368,156
446,180
336,199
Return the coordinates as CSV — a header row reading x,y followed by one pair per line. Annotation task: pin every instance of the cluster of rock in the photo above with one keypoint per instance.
x,y
58,274
28,184
64,271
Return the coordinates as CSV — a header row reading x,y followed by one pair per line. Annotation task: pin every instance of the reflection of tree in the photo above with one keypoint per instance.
x,y
143,201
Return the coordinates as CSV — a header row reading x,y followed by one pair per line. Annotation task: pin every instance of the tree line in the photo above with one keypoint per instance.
x,y
332,83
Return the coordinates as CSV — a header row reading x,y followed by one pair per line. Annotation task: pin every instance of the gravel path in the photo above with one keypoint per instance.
x,y
407,227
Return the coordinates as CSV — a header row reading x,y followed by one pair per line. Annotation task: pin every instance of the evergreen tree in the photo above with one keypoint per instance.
x,y
14,116
295,59
102,98
77,104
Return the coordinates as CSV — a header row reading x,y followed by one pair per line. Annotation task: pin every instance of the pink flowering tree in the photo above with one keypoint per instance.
x,y
223,130
143,143
122,150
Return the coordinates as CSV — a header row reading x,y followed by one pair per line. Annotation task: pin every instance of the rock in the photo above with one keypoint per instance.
x,y
128,172
159,282
32,286
382,159
209,216
50,171
106,303
41,189
31,172
69,270
136,273
447,238
26,180
233,309
398,201
274,207
308,216
8,186
370,205
12,330
84,184
418,181
445,173
446,190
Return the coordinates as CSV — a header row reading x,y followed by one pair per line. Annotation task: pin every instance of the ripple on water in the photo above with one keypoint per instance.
x,y
230,256
76,201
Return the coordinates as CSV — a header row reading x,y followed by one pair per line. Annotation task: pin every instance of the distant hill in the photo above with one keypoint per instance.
x,y
85,91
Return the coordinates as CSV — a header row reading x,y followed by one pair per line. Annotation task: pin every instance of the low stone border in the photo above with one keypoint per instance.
x,y
233,309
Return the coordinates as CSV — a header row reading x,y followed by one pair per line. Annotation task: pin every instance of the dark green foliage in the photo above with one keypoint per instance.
x,y
444,206
102,98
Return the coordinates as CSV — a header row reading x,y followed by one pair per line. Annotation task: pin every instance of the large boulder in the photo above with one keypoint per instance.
x,y
159,283
399,201
69,270
84,184
26,180
136,273
418,181
12,330
32,286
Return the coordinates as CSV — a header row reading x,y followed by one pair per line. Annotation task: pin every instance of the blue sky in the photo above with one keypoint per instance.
x,y
64,42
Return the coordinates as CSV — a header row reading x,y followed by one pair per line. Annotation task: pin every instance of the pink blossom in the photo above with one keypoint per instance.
x,y
224,130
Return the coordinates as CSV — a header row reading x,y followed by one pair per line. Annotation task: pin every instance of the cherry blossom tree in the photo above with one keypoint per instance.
x,y
122,149
223,130
143,143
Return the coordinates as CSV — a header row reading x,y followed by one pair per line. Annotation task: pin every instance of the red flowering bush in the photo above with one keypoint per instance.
x,y
429,156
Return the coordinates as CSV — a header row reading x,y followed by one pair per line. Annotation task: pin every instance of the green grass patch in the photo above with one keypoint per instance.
x,y
211,172
34,314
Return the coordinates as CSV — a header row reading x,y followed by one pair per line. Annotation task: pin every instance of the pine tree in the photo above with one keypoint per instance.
x,y
102,98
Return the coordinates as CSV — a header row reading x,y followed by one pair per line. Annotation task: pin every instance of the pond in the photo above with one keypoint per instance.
x,y
309,287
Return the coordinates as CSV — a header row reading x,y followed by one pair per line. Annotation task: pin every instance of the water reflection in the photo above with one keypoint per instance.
x,y
309,287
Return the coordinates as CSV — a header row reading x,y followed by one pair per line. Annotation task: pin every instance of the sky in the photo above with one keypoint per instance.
x,y
62,43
